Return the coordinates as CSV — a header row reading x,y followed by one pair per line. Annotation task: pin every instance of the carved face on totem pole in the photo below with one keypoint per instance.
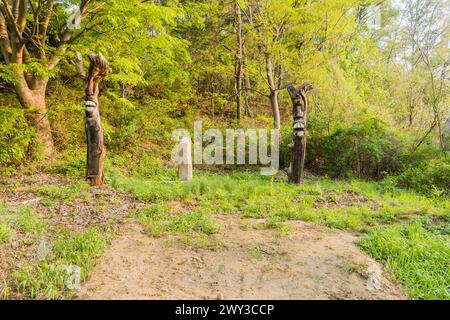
x,y
299,102
98,69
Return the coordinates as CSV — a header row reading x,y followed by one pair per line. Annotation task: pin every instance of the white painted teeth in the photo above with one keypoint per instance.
x,y
90,103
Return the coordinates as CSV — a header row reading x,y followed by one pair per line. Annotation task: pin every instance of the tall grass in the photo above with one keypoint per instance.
x,y
416,257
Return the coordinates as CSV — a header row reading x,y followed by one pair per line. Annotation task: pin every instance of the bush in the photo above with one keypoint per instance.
x,y
15,135
367,149
430,177
140,127
66,115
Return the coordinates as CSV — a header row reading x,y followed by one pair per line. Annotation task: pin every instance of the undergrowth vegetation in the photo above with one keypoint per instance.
x,y
51,238
194,225
66,265
60,261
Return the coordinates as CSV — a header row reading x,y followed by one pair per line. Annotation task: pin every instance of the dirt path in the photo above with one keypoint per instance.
x,y
312,262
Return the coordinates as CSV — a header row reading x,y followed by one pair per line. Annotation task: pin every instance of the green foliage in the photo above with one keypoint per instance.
x,y
67,193
66,114
6,234
170,65
16,135
53,277
135,128
146,49
159,219
68,165
366,149
25,220
285,152
430,177
416,257
7,74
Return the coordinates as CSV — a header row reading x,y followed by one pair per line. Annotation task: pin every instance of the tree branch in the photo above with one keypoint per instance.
x,y
22,17
66,36
78,63
12,19
4,39
85,30
47,17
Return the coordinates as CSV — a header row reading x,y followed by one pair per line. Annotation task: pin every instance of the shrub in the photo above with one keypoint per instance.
x,y
15,135
66,115
431,177
367,149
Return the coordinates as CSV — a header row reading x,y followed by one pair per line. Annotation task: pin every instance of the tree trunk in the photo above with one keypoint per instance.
x,y
248,95
238,91
247,85
238,62
43,128
34,100
273,92
96,150
275,109
299,112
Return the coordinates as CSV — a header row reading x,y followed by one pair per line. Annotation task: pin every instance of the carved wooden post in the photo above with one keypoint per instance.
x,y
185,160
299,112
96,151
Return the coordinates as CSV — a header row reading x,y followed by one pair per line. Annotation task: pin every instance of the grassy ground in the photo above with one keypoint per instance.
x,y
52,230
406,231
44,271
50,224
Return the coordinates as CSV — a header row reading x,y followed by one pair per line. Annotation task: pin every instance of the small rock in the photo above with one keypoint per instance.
x,y
374,277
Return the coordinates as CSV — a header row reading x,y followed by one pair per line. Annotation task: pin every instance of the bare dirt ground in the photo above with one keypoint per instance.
x,y
312,262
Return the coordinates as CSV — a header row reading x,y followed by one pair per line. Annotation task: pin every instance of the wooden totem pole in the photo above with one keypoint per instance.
x,y
96,151
298,145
